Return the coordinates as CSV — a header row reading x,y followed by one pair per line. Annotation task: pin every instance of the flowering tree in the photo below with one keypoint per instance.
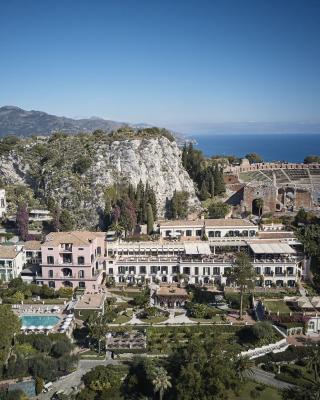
x,y
22,219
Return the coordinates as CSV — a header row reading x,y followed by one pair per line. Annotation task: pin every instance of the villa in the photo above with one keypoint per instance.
x,y
12,260
73,259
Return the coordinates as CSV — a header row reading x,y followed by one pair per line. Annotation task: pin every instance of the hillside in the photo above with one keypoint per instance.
x,y
16,121
50,167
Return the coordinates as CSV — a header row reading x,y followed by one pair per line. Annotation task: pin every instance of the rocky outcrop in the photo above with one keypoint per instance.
x,y
155,160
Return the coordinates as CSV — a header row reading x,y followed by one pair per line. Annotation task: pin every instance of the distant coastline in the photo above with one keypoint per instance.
x,y
272,147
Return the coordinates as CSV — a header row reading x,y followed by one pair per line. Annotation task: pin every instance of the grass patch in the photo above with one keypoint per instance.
x,y
277,305
153,320
122,319
263,392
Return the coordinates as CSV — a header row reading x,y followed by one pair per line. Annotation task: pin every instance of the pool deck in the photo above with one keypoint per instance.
x,y
41,310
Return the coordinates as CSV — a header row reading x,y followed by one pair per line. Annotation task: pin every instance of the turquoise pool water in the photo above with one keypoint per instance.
x,y
39,320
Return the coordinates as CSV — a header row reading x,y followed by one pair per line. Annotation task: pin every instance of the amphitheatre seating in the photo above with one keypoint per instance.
x,y
281,177
253,176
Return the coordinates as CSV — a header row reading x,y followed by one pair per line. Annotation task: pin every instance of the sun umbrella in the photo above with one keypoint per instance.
x,y
49,327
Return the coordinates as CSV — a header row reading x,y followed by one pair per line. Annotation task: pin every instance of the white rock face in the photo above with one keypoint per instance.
x,y
156,161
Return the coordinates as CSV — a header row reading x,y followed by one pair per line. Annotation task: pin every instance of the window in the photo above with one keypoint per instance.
x,y
211,233
50,273
122,270
142,269
99,251
216,271
153,269
188,232
175,269
196,270
258,270
81,260
92,257
168,233
110,271
50,248
51,284
198,232
206,270
50,260
81,273
81,248
217,234
186,270
29,253
82,285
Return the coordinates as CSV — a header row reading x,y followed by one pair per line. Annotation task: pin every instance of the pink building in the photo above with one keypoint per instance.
x,y
73,259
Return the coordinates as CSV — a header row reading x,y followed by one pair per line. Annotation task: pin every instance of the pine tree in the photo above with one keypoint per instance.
x,y
150,219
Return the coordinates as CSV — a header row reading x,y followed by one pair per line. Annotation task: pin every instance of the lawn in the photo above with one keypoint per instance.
x,y
154,320
214,320
277,305
122,319
265,392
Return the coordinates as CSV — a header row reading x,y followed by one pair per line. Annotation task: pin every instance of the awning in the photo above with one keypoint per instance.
x,y
271,248
191,248
198,248
204,248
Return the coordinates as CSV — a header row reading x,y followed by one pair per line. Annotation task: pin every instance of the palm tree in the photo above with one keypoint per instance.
x,y
161,382
244,367
314,363
243,275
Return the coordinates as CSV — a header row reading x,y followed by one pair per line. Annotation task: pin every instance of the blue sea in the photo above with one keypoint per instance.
x,y
271,147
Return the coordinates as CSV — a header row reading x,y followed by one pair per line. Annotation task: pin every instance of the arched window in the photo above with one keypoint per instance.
x,y
81,260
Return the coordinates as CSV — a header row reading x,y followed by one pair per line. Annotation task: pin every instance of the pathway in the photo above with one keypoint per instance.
x,y
74,379
178,319
269,379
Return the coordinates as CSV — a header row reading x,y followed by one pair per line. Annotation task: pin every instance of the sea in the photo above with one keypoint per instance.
x,y
271,147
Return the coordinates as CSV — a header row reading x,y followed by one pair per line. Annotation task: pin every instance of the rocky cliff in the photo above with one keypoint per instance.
x,y
49,167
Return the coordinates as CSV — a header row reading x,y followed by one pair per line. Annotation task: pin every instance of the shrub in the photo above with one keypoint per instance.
x,y
81,165
39,385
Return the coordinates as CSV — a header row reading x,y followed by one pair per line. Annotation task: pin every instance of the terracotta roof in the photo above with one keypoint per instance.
x,y
77,238
32,245
275,235
8,252
209,222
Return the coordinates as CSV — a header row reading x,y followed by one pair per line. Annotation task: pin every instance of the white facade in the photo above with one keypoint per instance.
x,y
213,228
3,203
208,263
12,261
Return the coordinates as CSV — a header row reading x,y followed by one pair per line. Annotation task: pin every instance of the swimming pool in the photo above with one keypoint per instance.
x,y
39,320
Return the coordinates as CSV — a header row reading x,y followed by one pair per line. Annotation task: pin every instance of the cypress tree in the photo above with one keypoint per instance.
x,y
150,219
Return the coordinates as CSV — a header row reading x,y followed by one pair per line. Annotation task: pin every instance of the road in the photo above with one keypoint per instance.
x,y
268,379
74,379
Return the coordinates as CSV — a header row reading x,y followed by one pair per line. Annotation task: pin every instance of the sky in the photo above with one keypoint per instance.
x,y
190,65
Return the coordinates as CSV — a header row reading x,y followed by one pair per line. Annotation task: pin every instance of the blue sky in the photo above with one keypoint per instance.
x,y
189,65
